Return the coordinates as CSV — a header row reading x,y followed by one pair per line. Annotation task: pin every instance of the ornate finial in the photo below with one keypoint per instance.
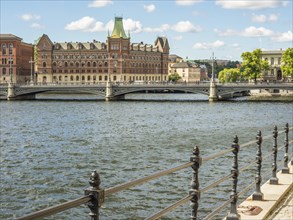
x,y
233,215
286,158
95,179
194,191
274,179
258,195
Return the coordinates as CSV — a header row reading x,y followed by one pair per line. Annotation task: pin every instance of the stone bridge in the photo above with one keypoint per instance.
x,y
117,91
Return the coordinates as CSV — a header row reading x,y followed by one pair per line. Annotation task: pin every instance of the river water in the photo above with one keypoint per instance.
x,y
50,147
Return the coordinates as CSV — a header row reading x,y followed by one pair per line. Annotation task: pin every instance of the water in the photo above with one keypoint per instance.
x,y
49,148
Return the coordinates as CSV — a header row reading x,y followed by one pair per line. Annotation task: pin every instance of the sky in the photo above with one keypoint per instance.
x,y
195,29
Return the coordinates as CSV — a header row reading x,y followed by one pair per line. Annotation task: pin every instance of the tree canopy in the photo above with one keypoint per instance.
x,y
253,65
229,75
287,63
174,77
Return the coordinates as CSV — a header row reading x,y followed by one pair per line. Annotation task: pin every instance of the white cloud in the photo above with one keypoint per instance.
x,y
100,3
162,28
249,4
256,32
283,37
247,32
131,25
205,46
187,2
150,8
84,24
186,26
37,26
263,18
29,17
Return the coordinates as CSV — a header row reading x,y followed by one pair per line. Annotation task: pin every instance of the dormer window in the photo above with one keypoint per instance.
x,y
80,46
69,46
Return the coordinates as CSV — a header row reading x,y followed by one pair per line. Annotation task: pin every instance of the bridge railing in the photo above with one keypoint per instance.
x,y
95,196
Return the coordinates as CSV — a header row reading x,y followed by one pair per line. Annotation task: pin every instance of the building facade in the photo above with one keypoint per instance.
x,y
189,72
274,59
117,60
16,59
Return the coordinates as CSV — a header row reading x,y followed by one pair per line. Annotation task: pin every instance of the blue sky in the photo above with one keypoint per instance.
x,y
194,28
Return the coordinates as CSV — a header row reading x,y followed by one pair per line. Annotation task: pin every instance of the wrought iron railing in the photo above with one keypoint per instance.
x,y
95,196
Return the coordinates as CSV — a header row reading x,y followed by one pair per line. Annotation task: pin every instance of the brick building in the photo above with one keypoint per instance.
x,y
15,56
94,62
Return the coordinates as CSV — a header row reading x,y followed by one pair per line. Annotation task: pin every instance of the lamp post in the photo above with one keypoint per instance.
x,y
213,68
10,68
31,62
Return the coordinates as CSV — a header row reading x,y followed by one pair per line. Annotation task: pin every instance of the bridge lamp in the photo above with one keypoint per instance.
x,y
31,62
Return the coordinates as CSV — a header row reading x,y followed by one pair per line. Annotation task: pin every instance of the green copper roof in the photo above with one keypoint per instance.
x,y
118,30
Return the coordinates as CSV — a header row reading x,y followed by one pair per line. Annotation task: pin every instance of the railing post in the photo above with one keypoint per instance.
x,y
233,215
286,168
274,179
258,195
194,191
97,195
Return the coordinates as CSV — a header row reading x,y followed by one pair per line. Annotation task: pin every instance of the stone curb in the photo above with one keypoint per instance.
x,y
273,194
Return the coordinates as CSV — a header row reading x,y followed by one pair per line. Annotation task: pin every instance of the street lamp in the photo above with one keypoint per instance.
x,y
31,62
10,68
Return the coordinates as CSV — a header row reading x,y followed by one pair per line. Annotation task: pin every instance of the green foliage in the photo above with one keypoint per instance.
x,y
174,77
229,75
287,63
253,65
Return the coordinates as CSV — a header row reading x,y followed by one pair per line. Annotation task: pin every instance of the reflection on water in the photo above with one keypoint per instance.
x,y
49,148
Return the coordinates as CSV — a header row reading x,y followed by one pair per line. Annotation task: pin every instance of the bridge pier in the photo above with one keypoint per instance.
x,y
10,91
213,92
109,93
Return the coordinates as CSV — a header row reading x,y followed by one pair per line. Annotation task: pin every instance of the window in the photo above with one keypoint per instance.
x,y
60,78
4,71
44,64
88,64
10,48
71,78
77,65
66,64
88,78
4,61
272,61
77,78
94,64
100,78
279,60
3,49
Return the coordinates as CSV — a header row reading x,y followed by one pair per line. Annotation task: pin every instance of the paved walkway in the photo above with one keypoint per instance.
x,y
284,211
277,203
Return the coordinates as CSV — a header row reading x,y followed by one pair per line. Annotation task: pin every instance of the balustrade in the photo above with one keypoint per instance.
x,y
95,196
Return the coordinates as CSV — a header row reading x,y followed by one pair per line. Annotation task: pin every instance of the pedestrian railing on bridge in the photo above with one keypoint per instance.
x,y
95,196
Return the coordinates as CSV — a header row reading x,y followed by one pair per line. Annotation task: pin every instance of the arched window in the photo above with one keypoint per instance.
x,y
71,78
44,64
77,64
10,48
88,64
71,64
94,64
3,49
88,78
77,78
66,64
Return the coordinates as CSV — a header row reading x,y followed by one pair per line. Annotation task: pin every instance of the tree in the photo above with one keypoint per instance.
x,y
287,63
253,65
229,75
174,77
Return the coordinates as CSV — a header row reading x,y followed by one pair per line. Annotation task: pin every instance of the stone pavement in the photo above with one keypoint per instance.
x,y
277,200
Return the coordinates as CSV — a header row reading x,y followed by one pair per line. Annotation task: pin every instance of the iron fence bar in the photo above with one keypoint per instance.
x,y
139,181
170,208
215,183
56,209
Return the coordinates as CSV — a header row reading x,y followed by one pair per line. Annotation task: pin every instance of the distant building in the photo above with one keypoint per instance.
x,y
274,59
94,62
15,56
189,72
173,58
